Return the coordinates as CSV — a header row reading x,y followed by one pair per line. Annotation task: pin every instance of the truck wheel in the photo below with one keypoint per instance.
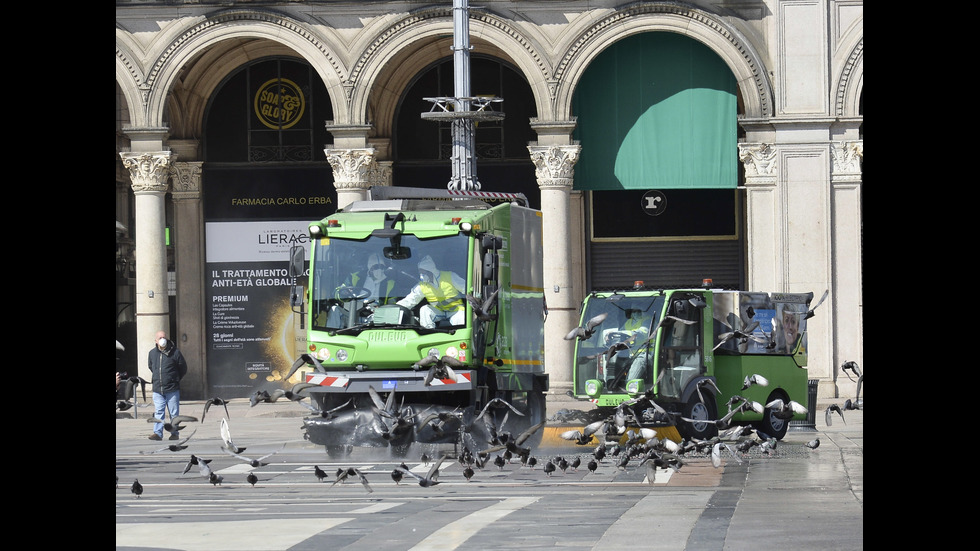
x,y
772,425
696,409
335,452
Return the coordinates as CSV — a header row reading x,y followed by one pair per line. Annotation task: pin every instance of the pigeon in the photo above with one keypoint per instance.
x,y
468,473
482,310
850,366
180,445
584,332
592,466
217,402
439,368
136,379
320,474
754,379
813,444
431,478
229,445
329,413
123,405
562,464
397,474
549,468
437,421
583,437
499,462
176,424
202,465
137,488
215,479
251,479
810,313
829,418
738,334
194,460
716,453
784,410
344,474
255,463
497,401
259,396
849,405
296,392
709,383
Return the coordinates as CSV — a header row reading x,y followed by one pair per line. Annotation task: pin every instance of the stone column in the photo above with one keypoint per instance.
x,y
762,215
149,172
353,170
845,179
554,171
189,268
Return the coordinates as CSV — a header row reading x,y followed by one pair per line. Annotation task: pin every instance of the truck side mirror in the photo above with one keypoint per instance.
x,y
297,261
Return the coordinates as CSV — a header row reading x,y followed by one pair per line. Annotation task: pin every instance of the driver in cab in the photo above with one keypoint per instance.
x,y
444,292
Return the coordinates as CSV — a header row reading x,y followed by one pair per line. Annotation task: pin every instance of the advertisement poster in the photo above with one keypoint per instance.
x,y
254,335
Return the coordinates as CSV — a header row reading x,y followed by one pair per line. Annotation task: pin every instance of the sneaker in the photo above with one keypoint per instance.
x,y
155,436
173,436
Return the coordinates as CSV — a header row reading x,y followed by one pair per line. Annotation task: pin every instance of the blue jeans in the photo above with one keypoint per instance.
x,y
166,401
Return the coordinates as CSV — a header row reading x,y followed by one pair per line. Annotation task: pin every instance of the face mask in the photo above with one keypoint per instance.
x,y
162,342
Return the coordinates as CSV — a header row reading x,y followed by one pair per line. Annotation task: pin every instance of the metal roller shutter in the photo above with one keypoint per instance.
x,y
616,265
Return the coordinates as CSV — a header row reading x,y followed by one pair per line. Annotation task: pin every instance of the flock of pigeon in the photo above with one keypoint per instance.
x,y
618,438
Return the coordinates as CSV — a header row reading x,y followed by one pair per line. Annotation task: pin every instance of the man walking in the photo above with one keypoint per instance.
x,y
167,368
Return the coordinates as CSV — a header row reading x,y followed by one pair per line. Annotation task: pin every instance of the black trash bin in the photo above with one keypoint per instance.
x,y
810,423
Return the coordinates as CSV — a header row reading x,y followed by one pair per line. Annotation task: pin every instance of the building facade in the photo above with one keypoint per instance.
x,y
606,102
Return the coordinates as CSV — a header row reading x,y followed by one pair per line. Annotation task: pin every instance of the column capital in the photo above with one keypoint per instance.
x,y
847,157
148,171
554,164
186,178
759,160
352,168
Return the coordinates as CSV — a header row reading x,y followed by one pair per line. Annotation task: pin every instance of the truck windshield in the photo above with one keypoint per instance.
x,y
352,278
628,320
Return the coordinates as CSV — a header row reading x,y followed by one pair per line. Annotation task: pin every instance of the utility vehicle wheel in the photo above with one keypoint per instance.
x,y
770,424
337,452
698,410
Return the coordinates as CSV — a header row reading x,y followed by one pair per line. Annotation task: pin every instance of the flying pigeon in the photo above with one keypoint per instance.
x,y
181,445
584,332
217,402
431,478
829,418
482,310
809,313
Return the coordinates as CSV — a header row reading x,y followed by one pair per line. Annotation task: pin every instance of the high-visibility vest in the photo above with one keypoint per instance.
x,y
445,296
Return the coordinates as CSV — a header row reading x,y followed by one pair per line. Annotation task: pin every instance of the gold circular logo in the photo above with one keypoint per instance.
x,y
279,103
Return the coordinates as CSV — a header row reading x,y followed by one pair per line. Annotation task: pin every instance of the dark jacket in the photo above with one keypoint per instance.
x,y
167,368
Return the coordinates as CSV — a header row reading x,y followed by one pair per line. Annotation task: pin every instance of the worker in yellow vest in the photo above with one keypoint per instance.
x,y
444,292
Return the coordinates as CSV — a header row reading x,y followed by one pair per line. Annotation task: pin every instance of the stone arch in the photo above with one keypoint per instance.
x,y
737,52
850,82
236,24
130,78
408,45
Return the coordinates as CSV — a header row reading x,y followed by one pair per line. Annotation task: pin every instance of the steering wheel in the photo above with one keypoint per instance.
x,y
345,293
617,336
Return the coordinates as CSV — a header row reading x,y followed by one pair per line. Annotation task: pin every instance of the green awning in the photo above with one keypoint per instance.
x,y
657,111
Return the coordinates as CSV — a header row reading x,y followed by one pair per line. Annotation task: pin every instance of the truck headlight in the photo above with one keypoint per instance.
x,y
593,387
634,387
